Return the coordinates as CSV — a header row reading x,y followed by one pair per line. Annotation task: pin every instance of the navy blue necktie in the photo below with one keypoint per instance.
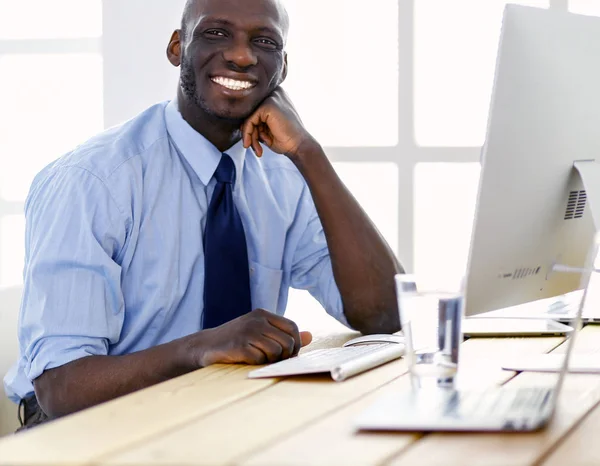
x,y
227,279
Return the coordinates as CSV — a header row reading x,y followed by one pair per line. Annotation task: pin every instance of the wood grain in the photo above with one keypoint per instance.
x,y
256,421
108,427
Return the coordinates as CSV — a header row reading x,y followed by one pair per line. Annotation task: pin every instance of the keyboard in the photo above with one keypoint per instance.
x,y
341,363
511,402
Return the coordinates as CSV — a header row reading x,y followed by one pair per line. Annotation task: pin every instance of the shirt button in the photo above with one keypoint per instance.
x,y
251,270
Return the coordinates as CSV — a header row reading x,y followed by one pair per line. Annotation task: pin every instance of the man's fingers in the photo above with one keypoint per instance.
x,y
266,138
306,338
253,355
271,348
286,341
287,326
244,130
250,126
255,143
248,129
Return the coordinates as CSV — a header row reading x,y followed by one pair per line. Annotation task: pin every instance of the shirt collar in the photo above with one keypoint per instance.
x,y
200,153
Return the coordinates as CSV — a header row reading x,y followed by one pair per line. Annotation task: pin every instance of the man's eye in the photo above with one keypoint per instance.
x,y
267,42
215,32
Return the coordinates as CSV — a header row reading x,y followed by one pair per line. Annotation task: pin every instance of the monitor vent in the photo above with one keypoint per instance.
x,y
576,205
525,272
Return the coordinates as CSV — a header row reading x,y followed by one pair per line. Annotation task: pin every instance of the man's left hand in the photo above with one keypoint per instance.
x,y
277,124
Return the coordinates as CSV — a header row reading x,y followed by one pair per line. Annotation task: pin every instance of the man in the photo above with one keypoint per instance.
x,y
169,243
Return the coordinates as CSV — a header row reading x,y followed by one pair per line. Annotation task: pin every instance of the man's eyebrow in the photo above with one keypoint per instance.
x,y
222,21
269,30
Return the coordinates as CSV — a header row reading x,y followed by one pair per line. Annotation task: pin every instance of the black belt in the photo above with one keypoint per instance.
x,y
30,413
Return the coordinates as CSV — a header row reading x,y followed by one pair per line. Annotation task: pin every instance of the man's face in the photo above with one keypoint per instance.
x,y
232,56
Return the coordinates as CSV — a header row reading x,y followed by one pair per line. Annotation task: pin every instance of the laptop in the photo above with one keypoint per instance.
x,y
502,409
561,309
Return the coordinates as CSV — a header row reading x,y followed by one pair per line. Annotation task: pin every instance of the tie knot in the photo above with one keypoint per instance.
x,y
225,172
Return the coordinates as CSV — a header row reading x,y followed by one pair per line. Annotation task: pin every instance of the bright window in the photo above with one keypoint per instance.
x,y
455,57
375,187
343,74
445,196
50,103
585,7
50,19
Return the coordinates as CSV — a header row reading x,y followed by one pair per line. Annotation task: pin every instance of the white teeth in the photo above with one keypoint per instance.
x,y
232,84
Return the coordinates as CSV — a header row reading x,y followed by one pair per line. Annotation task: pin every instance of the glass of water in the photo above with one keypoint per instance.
x,y
431,321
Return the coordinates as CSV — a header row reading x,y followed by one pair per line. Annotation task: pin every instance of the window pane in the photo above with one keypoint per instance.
x,y
12,250
50,103
375,186
455,56
343,70
45,19
445,198
585,7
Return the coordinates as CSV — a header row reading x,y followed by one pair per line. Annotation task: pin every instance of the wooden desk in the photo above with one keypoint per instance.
x,y
218,416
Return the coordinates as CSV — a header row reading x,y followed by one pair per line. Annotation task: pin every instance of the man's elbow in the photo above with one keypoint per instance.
x,y
379,322
49,393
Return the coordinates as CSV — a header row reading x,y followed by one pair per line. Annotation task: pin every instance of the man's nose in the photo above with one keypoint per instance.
x,y
241,54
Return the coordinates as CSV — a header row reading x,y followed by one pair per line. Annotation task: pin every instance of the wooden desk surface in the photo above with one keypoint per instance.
x,y
218,416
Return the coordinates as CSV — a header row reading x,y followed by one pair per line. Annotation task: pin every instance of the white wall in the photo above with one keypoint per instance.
x,y
136,71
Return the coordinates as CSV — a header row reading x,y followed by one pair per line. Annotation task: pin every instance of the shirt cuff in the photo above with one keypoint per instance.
x,y
49,353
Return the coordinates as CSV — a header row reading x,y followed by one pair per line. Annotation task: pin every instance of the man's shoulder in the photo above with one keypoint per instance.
x,y
103,154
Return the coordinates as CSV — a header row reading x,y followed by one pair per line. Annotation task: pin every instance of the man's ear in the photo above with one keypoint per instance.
x,y
174,48
285,68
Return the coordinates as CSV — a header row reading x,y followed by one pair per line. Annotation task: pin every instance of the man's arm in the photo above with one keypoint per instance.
x,y
255,338
363,264
92,380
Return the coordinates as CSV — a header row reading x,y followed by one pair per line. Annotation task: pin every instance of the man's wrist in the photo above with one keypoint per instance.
x,y
188,352
308,152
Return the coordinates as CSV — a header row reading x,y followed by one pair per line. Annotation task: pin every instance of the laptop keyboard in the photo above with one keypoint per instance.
x,y
511,402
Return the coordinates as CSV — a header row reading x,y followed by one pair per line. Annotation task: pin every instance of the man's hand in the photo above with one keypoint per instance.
x,y
277,124
258,337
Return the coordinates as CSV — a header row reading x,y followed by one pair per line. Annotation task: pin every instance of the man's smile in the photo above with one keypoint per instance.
x,y
233,84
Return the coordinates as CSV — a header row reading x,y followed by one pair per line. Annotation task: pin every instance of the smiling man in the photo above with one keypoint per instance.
x,y
170,243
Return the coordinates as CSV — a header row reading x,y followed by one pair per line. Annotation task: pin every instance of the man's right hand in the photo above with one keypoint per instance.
x,y
258,337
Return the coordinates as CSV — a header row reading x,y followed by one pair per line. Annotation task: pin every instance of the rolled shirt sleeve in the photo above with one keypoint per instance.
x,y
312,269
72,300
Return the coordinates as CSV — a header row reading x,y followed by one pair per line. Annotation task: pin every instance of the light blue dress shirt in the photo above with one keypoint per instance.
x,y
114,259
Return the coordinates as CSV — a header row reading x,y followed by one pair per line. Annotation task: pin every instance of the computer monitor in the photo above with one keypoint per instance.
x,y
532,209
